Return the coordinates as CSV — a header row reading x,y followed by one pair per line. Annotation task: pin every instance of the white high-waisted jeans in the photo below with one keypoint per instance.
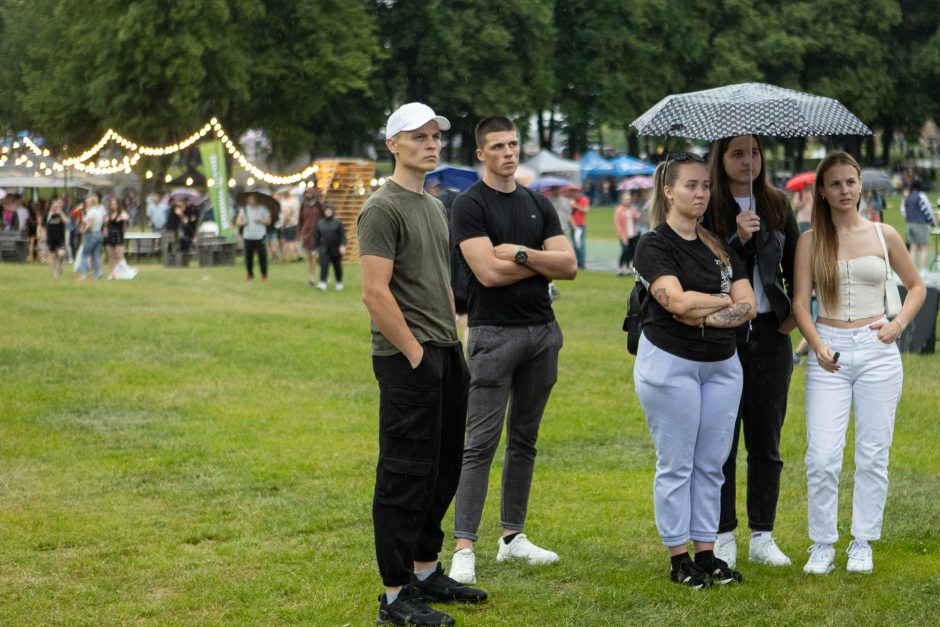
x,y
690,407
870,381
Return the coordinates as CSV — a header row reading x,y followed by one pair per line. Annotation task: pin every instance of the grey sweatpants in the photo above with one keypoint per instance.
x,y
690,407
517,366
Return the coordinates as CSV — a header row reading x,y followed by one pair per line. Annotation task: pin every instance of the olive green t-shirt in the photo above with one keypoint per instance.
x,y
411,230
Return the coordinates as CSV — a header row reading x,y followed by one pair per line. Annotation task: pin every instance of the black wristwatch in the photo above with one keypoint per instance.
x,y
521,256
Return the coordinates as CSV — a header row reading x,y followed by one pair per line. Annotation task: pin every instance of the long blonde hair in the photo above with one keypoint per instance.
x,y
667,173
825,239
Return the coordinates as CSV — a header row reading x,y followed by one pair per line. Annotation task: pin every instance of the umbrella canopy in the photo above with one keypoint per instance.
x,y
591,159
636,182
186,192
748,109
876,180
546,163
801,180
272,204
549,182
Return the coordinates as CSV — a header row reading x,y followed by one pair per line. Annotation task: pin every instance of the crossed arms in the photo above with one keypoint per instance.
x,y
495,266
697,309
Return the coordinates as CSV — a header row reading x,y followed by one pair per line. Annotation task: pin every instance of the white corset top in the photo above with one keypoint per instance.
x,y
861,289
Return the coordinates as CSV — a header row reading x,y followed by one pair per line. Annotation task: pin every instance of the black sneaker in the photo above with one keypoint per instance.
x,y
689,574
718,569
439,587
409,609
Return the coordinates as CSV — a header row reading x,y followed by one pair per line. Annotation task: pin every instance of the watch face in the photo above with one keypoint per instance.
x,y
521,256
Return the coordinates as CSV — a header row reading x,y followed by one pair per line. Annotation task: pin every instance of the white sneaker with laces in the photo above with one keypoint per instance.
x,y
766,551
727,551
522,549
321,286
822,559
463,568
859,558
339,287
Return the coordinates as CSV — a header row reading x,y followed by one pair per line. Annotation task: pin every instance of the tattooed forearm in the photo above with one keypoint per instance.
x,y
709,308
729,317
661,297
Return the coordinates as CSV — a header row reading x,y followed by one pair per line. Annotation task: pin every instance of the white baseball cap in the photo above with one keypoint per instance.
x,y
413,115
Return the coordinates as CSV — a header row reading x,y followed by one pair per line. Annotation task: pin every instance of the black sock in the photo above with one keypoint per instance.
x,y
704,557
508,539
677,559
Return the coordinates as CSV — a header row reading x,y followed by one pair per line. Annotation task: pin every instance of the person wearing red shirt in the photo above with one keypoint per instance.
x,y
580,205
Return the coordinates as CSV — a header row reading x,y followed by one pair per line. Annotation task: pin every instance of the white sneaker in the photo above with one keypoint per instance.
x,y
822,559
521,549
321,286
859,558
339,287
765,551
727,552
463,568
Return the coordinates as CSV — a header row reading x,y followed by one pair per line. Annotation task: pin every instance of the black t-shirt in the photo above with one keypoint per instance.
x,y
521,217
55,228
664,253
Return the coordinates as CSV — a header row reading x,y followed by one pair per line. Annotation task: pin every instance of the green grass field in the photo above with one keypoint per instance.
x,y
187,448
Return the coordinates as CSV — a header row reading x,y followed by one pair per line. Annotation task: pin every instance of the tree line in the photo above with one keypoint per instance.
x,y
320,76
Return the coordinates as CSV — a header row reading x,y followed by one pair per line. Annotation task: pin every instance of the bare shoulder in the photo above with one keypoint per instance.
x,y
891,234
806,238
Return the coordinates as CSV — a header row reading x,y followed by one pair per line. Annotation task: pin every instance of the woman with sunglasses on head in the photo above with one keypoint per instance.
x,y
686,374
755,219
854,360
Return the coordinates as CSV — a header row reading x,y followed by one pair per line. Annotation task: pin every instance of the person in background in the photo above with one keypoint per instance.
x,y
311,210
189,223
76,217
273,236
330,242
290,217
686,374
625,223
92,225
919,218
754,218
55,225
580,206
157,211
23,216
10,218
115,225
854,363
256,218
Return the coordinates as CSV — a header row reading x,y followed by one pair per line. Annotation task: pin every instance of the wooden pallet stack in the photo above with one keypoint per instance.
x,y
346,184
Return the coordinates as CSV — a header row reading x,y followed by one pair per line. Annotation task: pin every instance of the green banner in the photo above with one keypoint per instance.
x,y
213,162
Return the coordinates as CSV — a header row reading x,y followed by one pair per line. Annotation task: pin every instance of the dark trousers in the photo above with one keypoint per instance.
x,y
253,246
767,360
422,418
331,257
627,251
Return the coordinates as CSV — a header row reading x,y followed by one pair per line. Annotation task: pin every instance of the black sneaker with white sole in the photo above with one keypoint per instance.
x,y
689,574
717,569
439,587
409,609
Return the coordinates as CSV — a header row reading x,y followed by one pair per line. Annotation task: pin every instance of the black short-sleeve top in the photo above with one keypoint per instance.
x,y
662,252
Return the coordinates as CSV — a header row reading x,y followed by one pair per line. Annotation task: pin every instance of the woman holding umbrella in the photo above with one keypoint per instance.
x,y
754,217
855,361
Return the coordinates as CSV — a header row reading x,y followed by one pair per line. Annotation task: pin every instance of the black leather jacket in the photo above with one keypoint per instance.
x,y
773,251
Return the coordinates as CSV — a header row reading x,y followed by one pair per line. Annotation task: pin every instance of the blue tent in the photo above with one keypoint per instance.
x,y
622,166
591,159
452,177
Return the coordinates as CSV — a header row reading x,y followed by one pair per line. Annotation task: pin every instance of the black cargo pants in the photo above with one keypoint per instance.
x,y
422,423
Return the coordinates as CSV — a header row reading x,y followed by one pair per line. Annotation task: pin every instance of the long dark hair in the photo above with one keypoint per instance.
x,y
722,207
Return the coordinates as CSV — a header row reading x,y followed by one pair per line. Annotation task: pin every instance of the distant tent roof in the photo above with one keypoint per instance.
x,y
452,177
591,159
547,162
622,166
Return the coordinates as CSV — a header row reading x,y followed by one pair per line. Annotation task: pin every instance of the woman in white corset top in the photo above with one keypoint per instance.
x,y
854,361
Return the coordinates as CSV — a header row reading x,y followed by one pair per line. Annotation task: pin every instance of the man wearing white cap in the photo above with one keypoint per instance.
x,y
419,365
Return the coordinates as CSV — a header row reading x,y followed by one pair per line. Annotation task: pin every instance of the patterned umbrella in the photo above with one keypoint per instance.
x,y
636,182
748,109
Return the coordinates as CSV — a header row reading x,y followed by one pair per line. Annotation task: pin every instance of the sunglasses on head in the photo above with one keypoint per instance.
x,y
684,156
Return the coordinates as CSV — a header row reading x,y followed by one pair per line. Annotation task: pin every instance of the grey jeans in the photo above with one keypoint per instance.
x,y
515,366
